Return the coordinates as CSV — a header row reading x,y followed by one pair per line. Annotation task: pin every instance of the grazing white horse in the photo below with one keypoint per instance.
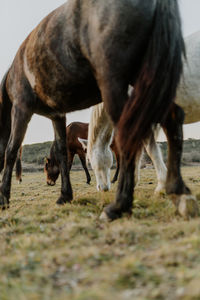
x,y
188,97
100,134
99,154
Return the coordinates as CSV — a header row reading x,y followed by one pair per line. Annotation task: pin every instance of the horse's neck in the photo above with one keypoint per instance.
x,y
100,130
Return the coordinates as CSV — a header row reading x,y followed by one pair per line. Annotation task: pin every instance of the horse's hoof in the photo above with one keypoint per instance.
x,y
186,206
88,182
112,212
63,200
60,201
159,191
104,217
4,202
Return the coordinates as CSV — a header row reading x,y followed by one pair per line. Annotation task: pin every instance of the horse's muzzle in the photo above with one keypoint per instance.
x,y
51,183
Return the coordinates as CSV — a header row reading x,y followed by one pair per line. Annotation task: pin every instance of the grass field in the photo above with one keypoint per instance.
x,y
51,252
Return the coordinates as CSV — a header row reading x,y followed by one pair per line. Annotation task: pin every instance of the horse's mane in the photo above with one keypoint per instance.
x,y
100,127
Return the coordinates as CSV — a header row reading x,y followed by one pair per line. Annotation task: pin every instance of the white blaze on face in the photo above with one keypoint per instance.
x,y
29,75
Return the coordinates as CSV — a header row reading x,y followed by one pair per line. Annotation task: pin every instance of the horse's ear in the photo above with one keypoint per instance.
x,y
84,143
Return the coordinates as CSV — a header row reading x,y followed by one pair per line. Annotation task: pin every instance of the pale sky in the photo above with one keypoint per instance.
x,y
19,17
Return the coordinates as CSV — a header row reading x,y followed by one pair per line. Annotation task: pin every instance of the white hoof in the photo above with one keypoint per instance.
x,y
103,217
160,189
186,205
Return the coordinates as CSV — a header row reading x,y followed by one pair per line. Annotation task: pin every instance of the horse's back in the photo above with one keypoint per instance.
x,y
61,60
74,131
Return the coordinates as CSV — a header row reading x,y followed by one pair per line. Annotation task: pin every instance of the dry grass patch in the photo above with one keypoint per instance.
x,y
51,252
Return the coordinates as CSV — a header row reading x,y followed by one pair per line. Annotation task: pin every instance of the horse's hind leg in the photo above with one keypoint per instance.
x,y
83,161
124,198
70,158
61,149
20,119
154,152
185,203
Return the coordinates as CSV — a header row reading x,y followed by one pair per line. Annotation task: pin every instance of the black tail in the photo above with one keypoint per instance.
x,y
18,165
159,75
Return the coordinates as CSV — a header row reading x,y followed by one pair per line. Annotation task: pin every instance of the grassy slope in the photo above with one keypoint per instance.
x,y
50,252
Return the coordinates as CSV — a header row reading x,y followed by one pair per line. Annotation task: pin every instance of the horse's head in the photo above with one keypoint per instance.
x,y
101,161
52,171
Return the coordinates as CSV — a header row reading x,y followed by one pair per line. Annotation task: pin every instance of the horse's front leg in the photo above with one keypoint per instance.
x,y
117,157
124,197
20,118
70,158
61,150
3,144
185,203
83,162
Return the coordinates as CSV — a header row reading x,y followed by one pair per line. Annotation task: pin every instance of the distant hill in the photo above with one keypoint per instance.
x,y
34,154
191,151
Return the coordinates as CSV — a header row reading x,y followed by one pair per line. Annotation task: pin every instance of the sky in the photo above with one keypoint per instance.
x,y
19,17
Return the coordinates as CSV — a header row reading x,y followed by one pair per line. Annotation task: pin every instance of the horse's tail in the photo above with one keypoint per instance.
x,y
18,165
158,77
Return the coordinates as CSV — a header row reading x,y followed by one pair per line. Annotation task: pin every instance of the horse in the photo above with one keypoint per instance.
x,y
187,97
101,140
100,135
73,131
88,51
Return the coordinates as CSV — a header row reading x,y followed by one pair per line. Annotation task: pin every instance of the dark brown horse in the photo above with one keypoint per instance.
x,y
85,51
73,131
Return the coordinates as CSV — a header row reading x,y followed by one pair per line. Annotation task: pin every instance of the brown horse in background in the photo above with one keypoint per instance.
x,y
85,51
73,131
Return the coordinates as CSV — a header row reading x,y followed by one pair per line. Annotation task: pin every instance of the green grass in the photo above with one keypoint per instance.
x,y
50,252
